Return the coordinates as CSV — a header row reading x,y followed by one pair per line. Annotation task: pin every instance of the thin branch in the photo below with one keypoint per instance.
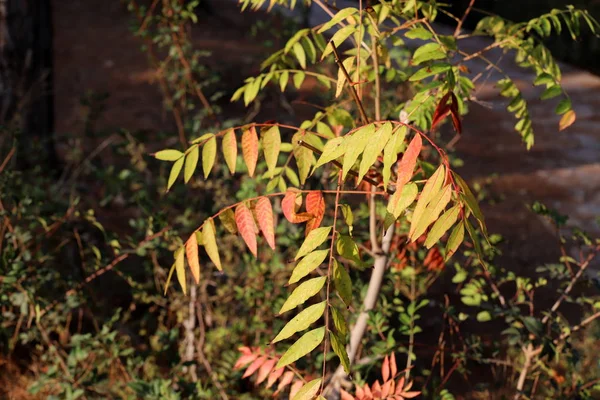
x,y
363,114
464,17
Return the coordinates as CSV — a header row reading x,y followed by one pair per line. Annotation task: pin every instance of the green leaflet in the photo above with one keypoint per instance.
x,y
430,70
340,323
400,201
431,188
229,147
300,54
191,161
356,144
271,146
168,155
340,350
301,321
440,227
252,89
343,284
338,38
304,157
307,343
295,39
175,170
337,18
292,177
298,79
432,212
428,52
209,153
315,238
210,243
303,292
308,264
376,145
471,202
419,33
180,268
227,218
474,239
309,390
390,154
283,80
334,148
169,278
455,240
347,248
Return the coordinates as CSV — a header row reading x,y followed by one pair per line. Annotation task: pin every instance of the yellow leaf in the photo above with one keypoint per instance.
x,y
303,292
271,146
567,120
308,264
191,161
309,390
307,343
191,251
175,170
210,244
315,238
209,152
301,321
180,268
229,147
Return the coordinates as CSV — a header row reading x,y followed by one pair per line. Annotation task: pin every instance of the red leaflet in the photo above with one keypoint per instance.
x,y
265,370
246,226
443,109
191,251
247,357
264,215
254,366
408,162
250,149
315,205
290,205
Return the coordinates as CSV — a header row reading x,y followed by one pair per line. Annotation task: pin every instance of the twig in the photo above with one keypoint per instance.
x,y
529,352
464,17
363,114
7,158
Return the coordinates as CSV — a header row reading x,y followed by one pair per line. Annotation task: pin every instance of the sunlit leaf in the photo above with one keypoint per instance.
x,y
191,161
307,343
430,70
338,38
209,153
309,390
266,222
301,321
431,188
315,205
210,243
455,240
567,120
427,52
376,145
229,146
271,141
290,204
442,225
401,200
407,164
308,264
356,145
390,154
168,155
431,213
337,18
175,171
304,157
300,54
191,251
334,148
180,268
246,226
313,240
303,292
250,149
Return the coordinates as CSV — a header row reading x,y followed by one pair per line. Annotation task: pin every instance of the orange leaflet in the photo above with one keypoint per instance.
x,y
290,205
264,215
191,251
246,226
408,162
315,205
250,149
